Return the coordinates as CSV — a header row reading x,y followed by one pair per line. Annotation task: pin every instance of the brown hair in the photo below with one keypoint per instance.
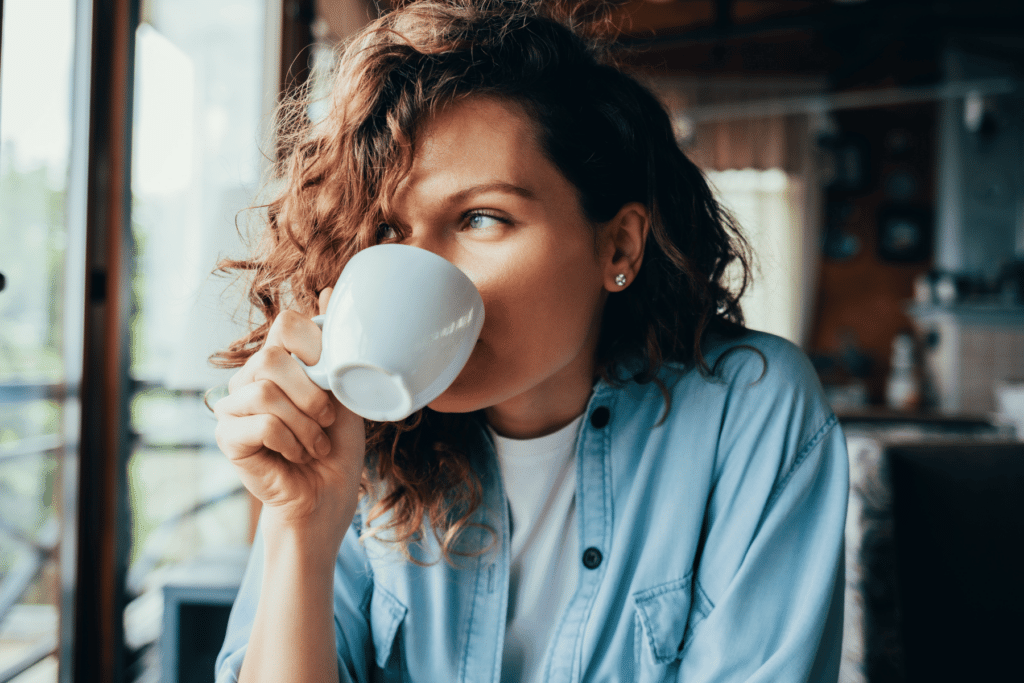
x,y
605,132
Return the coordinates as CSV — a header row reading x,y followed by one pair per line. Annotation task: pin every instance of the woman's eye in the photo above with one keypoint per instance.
x,y
482,220
385,232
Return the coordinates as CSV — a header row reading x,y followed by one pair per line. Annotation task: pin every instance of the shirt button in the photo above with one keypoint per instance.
x,y
599,418
591,557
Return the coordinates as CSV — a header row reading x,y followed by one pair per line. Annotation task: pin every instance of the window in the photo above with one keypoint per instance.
x,y
35,427
768,206
157,493
196,167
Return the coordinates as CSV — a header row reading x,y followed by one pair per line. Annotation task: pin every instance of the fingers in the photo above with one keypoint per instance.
x,y
244,437
290,333
296,333
265,398
275,364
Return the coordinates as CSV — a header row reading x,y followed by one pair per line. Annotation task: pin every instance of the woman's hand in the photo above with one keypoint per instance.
x,y
296,448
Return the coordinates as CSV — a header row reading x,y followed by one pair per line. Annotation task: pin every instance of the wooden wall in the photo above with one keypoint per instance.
x,y
861,299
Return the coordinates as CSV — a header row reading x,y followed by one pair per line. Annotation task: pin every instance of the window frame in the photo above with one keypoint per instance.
x,y
98,385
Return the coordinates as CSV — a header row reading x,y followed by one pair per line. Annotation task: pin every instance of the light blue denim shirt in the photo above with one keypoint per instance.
x,y
711,546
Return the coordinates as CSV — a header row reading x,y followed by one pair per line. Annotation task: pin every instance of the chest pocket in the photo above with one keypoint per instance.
x,y
662,614
386,616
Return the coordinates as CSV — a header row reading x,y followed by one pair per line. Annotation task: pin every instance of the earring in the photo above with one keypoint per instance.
x,y
620,280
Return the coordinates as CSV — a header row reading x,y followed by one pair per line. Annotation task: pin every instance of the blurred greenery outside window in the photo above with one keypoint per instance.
x,y
35,131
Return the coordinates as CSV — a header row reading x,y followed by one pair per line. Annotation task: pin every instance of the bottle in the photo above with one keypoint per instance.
x,y
902,389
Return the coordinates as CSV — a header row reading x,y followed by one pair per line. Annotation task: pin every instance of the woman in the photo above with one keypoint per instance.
x,y
623,484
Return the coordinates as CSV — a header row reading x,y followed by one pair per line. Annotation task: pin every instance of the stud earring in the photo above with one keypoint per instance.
x,y
620,280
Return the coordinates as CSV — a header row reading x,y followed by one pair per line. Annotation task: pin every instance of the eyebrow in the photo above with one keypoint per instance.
x,y
507,188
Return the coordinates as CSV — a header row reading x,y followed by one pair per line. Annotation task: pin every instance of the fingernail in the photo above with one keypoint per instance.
x,y
326,416
323,444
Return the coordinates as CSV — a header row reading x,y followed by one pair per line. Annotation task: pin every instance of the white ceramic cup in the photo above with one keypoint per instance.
x,y
399,327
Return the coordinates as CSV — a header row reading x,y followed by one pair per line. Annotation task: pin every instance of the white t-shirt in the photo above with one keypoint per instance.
x,y
540,483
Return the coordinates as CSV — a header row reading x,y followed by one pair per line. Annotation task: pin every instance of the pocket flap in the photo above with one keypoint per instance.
x,y
386,615
663,612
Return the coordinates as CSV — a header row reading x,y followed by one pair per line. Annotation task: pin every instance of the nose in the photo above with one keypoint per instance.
x,y
444,246
422,239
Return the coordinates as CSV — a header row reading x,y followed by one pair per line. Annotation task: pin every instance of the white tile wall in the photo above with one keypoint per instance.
x,y
974,352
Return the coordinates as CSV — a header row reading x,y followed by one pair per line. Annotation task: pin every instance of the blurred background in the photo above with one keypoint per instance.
x,y
873,151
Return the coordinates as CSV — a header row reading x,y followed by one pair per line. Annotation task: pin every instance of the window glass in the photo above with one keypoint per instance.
x,y
35,108
34,144
196,168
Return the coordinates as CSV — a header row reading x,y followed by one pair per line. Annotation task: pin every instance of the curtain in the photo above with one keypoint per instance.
x,y
758,155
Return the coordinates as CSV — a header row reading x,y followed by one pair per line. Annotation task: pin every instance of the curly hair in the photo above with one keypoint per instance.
x,y
607,134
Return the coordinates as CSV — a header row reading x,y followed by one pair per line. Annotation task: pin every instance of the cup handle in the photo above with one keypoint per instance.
x,y
317,373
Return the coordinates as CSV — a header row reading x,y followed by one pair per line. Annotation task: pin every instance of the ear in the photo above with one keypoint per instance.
x,y
624,237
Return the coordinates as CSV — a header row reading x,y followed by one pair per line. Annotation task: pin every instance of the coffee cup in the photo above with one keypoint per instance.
x,y
399,327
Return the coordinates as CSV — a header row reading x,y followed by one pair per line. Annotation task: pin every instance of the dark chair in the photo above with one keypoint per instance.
x,y
958,513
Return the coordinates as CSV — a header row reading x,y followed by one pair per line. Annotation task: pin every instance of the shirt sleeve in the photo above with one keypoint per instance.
x,y
768,594
353,582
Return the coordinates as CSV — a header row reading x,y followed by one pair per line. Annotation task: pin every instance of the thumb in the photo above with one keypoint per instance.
x,y
325,296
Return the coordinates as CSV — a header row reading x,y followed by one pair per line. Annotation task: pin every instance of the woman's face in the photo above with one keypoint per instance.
x,y
482,194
